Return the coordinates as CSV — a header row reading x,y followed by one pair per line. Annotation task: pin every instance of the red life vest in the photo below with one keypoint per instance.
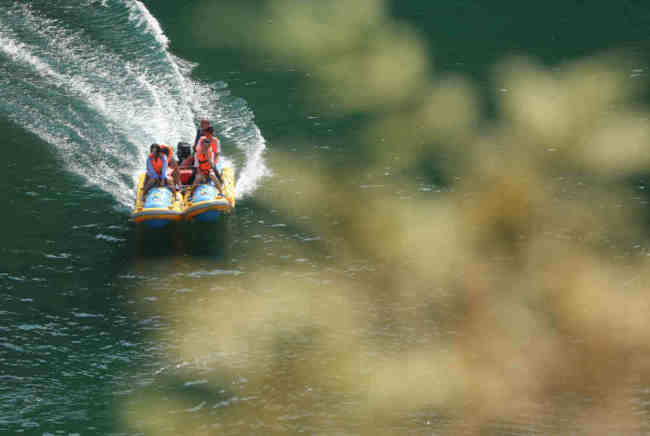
x,y
157,164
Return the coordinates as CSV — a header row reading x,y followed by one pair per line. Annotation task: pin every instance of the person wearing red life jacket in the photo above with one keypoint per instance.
x,y
157,170
203,162
172,163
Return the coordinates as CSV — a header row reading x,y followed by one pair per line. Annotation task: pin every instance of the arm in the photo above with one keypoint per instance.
x,y
150,171
215,151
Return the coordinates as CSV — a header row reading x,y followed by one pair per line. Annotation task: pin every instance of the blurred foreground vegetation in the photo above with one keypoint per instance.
x,y
518,292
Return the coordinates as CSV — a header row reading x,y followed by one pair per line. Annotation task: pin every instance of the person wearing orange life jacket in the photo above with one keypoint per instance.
x,y
157,170
215,145
172,163
203,162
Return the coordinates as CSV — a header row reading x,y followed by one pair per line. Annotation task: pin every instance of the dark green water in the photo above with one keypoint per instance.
x,y
86,85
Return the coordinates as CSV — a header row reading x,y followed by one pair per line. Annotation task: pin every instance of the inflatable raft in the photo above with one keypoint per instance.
x,y
158,208
206,204
203,203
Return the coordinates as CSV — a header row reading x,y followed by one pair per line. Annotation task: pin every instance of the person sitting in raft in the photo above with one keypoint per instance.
x,y
200,132
203,159
172,163
215,145
157,170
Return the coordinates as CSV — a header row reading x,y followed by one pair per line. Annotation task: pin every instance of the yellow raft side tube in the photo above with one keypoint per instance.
x,y
223,204
174,212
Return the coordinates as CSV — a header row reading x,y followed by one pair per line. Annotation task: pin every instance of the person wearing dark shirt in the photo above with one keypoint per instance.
x,y
201,131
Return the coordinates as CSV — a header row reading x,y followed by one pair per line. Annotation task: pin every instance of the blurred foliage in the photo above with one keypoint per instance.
x,y
519,294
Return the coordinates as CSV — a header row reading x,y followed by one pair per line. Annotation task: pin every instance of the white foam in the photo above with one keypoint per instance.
x,y
254,169
21,53
101,108
139,13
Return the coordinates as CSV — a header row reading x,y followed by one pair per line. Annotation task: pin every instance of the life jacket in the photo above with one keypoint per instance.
x,y
214,145
205,160
168,150
157,164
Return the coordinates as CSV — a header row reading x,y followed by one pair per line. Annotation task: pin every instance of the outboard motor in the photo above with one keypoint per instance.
x,y
183,151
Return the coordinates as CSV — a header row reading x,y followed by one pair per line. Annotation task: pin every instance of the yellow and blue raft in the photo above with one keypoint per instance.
x,y
203,203
206,204
158,207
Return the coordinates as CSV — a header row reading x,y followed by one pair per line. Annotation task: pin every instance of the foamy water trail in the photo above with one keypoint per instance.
x,y
103,92
139,14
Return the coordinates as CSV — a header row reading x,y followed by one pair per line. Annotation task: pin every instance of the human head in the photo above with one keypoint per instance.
x,y
205,124
155,149
209,131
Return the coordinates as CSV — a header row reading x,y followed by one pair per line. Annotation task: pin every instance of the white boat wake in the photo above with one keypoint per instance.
x,y
102,93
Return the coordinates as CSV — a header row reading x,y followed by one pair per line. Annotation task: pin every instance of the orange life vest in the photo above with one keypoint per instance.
x,y
205,161
214,145
157,164
168,150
